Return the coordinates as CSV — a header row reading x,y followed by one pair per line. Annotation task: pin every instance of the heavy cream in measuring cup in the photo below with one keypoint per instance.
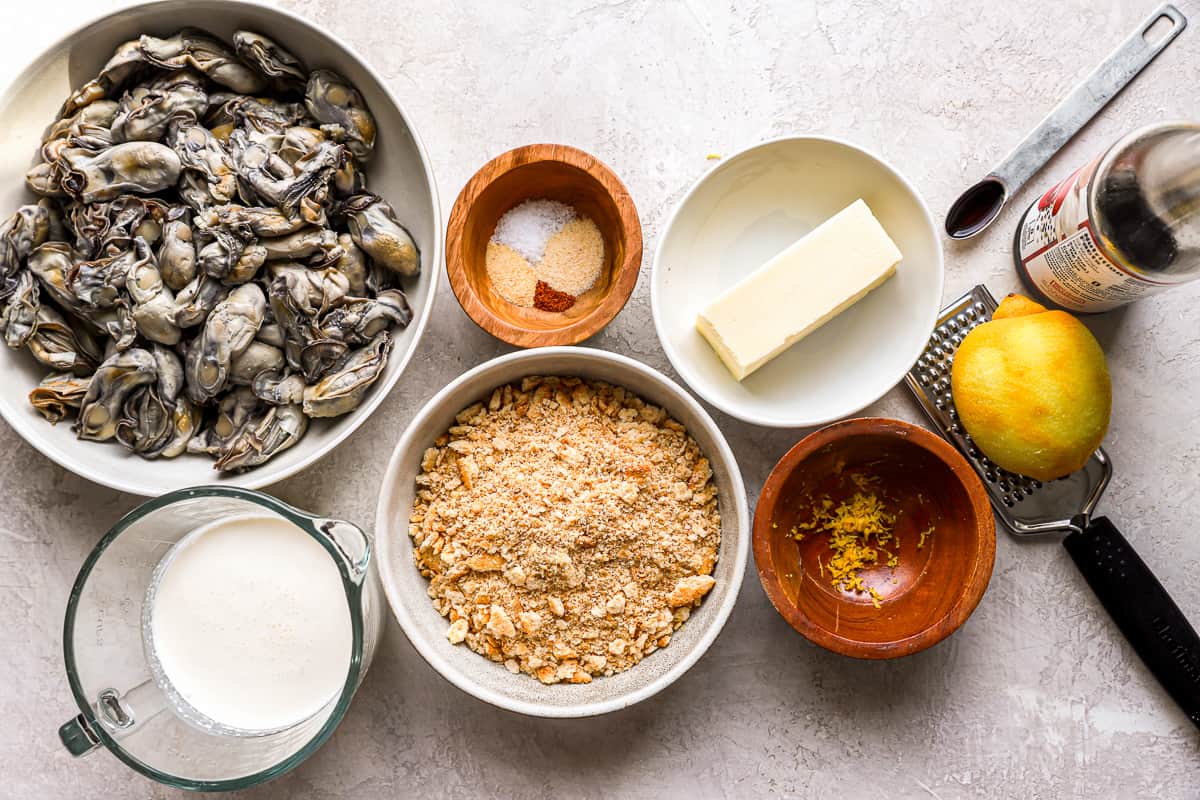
x,y
248,623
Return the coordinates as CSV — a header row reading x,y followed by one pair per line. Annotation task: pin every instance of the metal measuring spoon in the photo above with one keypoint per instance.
x,y
975,208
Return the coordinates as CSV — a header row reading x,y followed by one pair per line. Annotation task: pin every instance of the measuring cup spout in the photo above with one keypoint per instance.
x,y
353,545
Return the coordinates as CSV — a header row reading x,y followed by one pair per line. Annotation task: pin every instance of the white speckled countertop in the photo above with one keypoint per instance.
x,y
1038,696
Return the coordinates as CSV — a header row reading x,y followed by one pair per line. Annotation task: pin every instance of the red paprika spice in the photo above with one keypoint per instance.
x,y
549,299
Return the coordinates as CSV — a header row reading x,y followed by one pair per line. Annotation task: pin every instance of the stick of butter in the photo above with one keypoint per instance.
x,y
799,290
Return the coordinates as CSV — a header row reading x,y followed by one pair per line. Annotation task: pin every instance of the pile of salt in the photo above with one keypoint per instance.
x,y
527,227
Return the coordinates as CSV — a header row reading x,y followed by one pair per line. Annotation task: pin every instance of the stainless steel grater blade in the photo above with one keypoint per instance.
x,y
1025,505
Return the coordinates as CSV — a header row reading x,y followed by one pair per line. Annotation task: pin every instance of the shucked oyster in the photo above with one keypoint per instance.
x,y
261,119
102,228
228,254
18,317
145,111
353,264
196,301
121,67
157,420
154,303
100,283
140,167
177,253
266,222
99,114
284,69
235,409
58,392
374,228
113,382
307,243
52,264
342,112
25,230
343,388
202,155
228,331
60,345
279,390
275,431
257,358
266,177
359,320
298,141
312,291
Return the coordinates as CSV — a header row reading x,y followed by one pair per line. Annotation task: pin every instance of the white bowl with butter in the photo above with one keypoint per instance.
x,y
751,208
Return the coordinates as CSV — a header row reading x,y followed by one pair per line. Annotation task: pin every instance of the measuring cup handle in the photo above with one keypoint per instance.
x,y
1159,632
78,736
118,714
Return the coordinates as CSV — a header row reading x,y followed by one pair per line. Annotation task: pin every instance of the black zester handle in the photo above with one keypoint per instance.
x,y
1142,609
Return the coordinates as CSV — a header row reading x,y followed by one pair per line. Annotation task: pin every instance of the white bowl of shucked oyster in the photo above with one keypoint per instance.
x,y
219,238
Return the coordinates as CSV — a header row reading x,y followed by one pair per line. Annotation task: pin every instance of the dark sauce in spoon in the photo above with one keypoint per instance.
x,y
975,208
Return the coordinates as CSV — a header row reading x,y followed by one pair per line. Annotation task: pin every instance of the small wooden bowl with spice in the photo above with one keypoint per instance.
x,y
874,538
543,246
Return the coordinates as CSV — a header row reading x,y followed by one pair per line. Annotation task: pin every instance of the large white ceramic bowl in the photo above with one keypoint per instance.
x,y
471,672
399,171
748,209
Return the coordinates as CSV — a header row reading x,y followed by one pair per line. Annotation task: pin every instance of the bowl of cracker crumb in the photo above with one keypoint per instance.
x,y
562,532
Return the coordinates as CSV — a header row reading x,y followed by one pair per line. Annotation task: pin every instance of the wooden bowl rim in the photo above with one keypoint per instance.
x,y
626,272
972,590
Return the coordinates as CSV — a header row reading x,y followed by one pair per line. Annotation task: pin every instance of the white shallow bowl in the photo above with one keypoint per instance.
x,y
399,171
748,209
489,681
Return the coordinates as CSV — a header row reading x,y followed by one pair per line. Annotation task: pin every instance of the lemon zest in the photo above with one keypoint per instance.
x,y
924,533
858,528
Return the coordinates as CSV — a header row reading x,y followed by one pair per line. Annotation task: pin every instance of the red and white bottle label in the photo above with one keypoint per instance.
x,y
1057,247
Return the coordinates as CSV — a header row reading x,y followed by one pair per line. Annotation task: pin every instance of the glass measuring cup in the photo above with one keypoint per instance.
x,y
126,709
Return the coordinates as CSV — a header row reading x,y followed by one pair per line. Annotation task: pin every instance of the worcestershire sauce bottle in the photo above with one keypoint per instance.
x,y
1125,226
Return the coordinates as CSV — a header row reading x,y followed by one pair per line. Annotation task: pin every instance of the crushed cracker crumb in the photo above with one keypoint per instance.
x,y
580,535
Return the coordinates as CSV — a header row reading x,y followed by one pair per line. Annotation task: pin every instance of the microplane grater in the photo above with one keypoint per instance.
x,y
1143,610
1025,505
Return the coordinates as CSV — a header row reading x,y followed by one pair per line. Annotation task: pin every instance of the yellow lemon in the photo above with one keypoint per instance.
x,y
1032,389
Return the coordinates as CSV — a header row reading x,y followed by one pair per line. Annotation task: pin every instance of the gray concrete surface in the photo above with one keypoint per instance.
x,y
1037,696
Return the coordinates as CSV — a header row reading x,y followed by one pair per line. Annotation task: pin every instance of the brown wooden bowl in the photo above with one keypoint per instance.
x,y
931,591
554,172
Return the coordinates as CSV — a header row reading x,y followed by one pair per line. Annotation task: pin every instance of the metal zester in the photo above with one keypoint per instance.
x,y
1137,602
